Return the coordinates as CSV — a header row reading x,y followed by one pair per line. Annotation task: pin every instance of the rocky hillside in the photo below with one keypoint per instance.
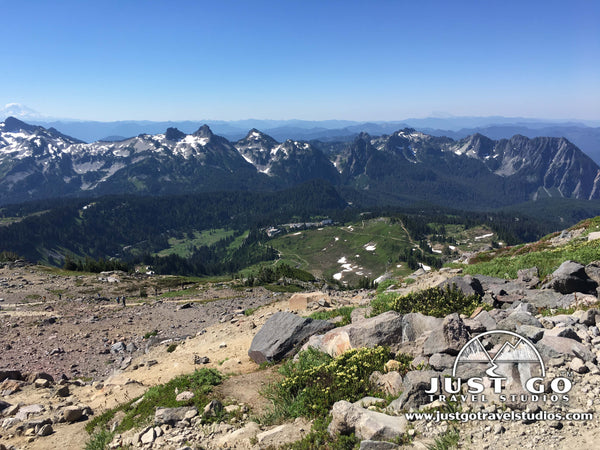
x,y
365,360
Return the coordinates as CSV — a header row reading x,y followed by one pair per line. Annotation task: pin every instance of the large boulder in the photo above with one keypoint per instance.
x,y
467,284
554,346
384,329
282,334
366,424
571,277
546,298
415,325
449,338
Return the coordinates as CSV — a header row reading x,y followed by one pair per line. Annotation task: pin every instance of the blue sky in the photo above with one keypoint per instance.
x,y
315,60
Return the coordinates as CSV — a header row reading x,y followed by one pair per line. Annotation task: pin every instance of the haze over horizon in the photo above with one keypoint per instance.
x,y
302,60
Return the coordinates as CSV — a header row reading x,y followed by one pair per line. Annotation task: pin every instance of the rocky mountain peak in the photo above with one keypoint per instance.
x,y
13,125
204,131
173,134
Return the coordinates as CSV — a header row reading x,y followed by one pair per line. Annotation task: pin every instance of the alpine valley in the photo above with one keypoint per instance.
x,y
401,168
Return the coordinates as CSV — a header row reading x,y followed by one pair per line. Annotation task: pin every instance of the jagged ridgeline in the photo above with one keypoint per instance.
x,y
399,169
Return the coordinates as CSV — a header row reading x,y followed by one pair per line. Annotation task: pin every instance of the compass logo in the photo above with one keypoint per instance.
x,y
506,364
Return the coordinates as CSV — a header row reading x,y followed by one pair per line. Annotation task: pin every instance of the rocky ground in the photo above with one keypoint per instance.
x,y
67,359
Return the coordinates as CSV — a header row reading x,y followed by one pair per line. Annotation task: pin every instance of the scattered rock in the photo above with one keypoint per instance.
x,y
73,413
349,418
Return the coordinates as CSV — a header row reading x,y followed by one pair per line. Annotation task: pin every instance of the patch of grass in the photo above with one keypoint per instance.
x,y
249,311
314,382
33,297
434,301
446,441
547,259
99,441
150,334
140,412
344,311
185,247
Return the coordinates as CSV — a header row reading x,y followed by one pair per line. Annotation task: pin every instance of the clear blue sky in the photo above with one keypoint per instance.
x,y
326,59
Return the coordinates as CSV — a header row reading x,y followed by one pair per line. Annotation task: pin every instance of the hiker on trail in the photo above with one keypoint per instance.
x,y
118,300
123,301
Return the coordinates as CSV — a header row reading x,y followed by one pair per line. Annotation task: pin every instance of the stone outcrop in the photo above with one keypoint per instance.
x,y
282,335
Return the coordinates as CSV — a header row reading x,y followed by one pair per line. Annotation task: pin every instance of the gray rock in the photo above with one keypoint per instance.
x,y
384,329
282,334
530,332
171,416
414,395
449,338
45,430
7,374
148,436
441,361
571,277
415,325
30,410
73,413
587,317
213,409
131,347
467,284
32,377
516,319
366,424
578,366
3,405
389,383
592,270
553,347
525,307
117,347
564,332
529,277
62,391
486,320
547,299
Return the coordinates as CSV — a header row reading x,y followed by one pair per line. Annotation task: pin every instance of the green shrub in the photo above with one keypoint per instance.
x,y
319,437
314,382
437,302
171,348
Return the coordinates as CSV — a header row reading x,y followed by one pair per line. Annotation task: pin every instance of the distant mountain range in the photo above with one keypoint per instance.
x,y
398,167
584,134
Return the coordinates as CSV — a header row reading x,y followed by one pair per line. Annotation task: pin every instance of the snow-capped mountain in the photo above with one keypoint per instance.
x,y
290,161
405,166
